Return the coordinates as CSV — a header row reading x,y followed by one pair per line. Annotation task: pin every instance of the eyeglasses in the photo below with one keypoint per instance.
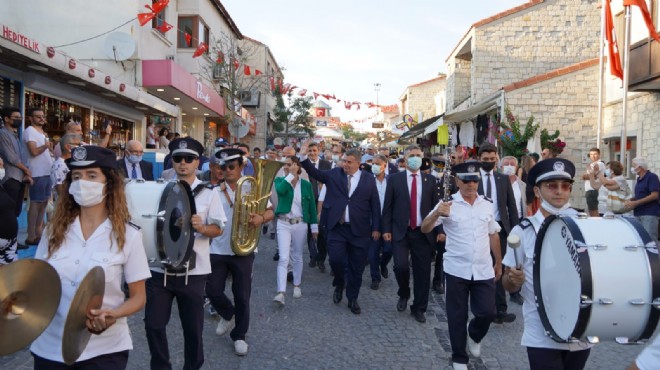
x,y
187,158
230,166
554,186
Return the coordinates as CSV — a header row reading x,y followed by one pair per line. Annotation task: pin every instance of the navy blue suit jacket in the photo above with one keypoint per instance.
x,y
363,204
396,208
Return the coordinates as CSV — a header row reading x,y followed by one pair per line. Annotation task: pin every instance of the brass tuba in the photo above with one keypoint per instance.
x,y
244,236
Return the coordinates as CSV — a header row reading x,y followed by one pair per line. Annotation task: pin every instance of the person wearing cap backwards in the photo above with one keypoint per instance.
x,y
472,234
234,315
186,286
91,228
552,180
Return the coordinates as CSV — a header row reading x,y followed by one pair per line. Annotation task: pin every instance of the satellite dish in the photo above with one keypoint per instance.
x,y
119,46
239,127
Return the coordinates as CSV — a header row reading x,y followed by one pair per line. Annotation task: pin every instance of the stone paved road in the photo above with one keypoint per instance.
x,y
313,333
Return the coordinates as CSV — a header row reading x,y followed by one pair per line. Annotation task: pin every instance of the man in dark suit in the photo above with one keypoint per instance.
x,y
497,188
132,165
391,167
409,197
317,247
353,217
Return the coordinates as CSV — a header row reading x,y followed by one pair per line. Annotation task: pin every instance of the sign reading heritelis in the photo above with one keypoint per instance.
x,y
19,39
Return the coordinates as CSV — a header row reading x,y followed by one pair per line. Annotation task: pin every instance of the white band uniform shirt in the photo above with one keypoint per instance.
x,y
209,208
468,227
486,176
73,260
129,169
534,332
418,181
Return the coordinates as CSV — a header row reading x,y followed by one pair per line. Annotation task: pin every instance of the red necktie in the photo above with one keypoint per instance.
x,y
413,202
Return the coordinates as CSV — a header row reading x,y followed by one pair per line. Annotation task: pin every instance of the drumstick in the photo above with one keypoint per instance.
x,y
514,242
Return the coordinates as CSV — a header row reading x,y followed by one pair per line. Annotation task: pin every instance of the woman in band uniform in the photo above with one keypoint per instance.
x,y
91,228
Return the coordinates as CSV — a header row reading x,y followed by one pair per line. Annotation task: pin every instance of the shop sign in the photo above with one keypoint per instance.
x,y
19,39
320,123
201,94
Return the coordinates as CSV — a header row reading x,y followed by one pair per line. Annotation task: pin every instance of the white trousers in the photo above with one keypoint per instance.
x,y
291,240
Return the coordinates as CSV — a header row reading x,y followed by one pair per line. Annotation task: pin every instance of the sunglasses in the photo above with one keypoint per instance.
x,y
554,186
230,166
469,181
187,158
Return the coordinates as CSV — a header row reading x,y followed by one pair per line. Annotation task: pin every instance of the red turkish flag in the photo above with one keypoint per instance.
x,y
302,92
612,46
316,95
158,6
221,58
257,72
272,83
201,49
246,70
647,16
348,105
164,27
144,18
188,38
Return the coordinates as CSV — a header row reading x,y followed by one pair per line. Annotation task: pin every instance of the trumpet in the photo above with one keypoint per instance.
x,y
245,236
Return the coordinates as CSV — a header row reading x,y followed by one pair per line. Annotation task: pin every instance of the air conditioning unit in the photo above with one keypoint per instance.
x,y
217,72
170,57
249,98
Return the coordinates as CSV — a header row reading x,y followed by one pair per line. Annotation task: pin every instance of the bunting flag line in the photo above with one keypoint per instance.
x,y
157,7
201,49
246,70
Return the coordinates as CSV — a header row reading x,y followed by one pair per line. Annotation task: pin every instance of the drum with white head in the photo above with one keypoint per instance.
x,y
163,210
596,279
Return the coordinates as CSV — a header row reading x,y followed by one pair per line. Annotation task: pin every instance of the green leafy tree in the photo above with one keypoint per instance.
x,y
552,142
294,116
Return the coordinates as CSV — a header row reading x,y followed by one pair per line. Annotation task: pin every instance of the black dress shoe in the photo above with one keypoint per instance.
x,y
384,272
276,256
438,287
516,298
339,293
354,306
312,263
321,267
419,316
402,304
374,285
503,317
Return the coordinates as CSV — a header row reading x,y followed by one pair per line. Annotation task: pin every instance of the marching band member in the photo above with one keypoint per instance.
x,y
234,316
472,233
552,180
186,286
91,228
296,208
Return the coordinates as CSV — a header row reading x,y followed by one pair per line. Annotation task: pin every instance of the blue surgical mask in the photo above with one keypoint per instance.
x,y
134,159
335,158
375,169
414,163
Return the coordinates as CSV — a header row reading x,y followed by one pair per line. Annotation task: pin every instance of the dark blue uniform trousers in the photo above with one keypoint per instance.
x,y
190,301
348,253
380,254
481,295
240,268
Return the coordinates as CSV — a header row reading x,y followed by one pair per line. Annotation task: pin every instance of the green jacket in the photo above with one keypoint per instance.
x,y
285,198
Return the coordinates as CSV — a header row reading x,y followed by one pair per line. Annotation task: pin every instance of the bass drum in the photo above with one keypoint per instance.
x,y
163,210
596,279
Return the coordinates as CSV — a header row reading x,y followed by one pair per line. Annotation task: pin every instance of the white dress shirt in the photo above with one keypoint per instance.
x,y
354,183
493,191
418,176
381,186
468,229
517,195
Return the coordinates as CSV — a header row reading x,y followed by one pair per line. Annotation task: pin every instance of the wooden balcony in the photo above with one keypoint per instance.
x,y
644,66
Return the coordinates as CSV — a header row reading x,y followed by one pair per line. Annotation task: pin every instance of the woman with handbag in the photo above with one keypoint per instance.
x,y
296,209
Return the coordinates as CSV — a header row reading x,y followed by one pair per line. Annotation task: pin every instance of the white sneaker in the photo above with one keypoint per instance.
x,y
241,348
279,298
473,347
297,293
224,326
457,366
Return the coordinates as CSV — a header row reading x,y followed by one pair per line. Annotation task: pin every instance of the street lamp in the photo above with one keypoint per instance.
x,y
377,89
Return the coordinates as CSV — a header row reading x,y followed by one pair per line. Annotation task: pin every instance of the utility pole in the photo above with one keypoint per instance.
x,y
377,89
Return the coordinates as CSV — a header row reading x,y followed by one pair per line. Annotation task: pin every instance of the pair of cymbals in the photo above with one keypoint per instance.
x,y
30,292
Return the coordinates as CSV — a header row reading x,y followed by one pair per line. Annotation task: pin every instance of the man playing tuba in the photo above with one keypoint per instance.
x,y
225,260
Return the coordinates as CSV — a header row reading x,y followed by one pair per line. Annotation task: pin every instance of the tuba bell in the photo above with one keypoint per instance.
x,y
244,236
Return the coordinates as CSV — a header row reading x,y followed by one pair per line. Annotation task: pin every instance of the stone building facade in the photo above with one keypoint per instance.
x,y
425,99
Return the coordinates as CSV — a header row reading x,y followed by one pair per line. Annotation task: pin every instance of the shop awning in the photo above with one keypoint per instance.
x,y
327,132
483,106
420,127
434,126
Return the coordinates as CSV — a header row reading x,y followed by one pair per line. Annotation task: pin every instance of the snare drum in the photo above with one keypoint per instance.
x,y
163,210
596,279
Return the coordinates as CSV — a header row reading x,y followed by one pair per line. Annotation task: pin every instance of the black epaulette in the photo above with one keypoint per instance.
x,y
525,223
208,185
488,199
135,226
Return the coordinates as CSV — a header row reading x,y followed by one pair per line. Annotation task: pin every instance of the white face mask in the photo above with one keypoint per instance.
x,y
375,169
335,158
401,169
552,209
509,170
2,173
87,193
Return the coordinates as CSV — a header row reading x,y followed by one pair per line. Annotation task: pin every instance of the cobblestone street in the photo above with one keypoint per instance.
x,y
313,333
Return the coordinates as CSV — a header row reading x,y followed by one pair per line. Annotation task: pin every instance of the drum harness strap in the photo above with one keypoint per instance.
x,y
224,191
198,189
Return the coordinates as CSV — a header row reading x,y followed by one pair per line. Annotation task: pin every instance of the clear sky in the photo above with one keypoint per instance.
x,y
344,47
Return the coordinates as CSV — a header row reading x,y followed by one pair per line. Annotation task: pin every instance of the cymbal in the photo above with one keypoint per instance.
x,y
89,295
30,293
